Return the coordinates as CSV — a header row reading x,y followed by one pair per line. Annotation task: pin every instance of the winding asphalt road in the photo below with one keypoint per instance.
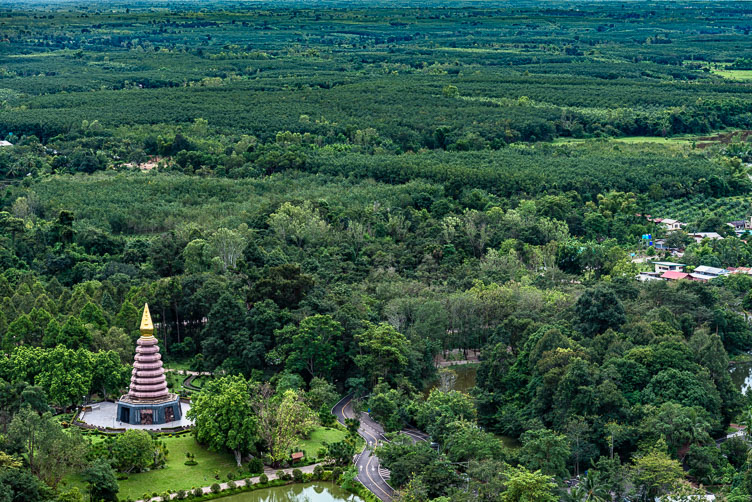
x,y
369,468
370,472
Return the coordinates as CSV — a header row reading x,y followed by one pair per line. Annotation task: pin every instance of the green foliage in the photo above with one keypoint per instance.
x,y
255,466
598,310
655,473
314,347
340,453
223,415
524,485
383,351
545,451
406,198
52,452
443,408
133,451
101,481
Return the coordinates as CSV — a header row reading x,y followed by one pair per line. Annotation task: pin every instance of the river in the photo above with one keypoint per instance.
x,y
315,492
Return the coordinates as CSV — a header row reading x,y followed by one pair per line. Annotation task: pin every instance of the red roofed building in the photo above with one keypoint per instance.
x,y
674,275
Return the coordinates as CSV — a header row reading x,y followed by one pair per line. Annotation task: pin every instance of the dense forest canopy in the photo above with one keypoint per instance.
x,y
331,200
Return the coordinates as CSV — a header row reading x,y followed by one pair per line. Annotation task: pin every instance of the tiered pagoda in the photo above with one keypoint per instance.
x,y
148,400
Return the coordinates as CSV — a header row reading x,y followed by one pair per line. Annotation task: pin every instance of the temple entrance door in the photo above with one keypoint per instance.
x,y
169,414
147,417
125,415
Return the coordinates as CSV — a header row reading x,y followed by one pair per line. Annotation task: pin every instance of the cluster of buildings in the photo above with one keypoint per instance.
x,y
670,271
741,227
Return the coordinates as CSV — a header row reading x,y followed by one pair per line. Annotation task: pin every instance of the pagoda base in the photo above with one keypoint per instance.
x,y
145,412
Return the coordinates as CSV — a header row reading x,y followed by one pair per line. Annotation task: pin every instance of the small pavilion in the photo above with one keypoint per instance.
x,y
148,400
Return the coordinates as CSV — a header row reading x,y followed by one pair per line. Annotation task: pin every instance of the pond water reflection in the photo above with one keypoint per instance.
x,y
741,375
315,492
466,374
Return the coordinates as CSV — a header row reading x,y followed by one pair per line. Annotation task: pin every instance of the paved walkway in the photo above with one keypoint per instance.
x,y
270,473
189,372
104,415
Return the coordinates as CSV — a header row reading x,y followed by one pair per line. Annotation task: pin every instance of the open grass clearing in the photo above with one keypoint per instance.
x,y
320,436
183,365
741,75
672,140
176,475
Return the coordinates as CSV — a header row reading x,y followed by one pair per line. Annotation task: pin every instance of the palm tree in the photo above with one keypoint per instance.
x,y
589,489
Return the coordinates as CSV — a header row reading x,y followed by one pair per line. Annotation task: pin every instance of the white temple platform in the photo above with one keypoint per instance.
x,y
104,415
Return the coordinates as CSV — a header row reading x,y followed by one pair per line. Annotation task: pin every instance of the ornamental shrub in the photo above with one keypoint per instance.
x,y
336,473
255,466
215,488
263,479
318,472
297,475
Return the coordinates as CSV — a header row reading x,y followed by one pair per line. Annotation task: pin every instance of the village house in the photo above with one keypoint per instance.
x,y
674,275
648,276
669,224
710,271
740,270
667,266
699,236
741,227
738,225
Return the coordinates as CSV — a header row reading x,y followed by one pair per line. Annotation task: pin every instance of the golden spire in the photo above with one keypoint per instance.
x,y
147,327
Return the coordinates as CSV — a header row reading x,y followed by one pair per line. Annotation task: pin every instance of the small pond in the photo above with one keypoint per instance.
x,y
315,492
741,375
465,378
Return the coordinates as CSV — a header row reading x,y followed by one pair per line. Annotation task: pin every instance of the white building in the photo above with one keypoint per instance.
x,y
668,266
672,225
699,236
710,271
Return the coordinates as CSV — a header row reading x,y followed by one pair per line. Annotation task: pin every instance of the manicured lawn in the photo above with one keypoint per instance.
x,y
178,365
175,381
176,475
200,381
318,437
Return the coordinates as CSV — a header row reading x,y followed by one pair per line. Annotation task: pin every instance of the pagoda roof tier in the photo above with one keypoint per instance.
x,y
148,382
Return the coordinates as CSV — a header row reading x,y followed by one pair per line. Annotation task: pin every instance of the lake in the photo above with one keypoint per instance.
x,y
315,492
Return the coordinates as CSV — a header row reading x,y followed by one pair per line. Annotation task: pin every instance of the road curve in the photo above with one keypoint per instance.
x,y
369,468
